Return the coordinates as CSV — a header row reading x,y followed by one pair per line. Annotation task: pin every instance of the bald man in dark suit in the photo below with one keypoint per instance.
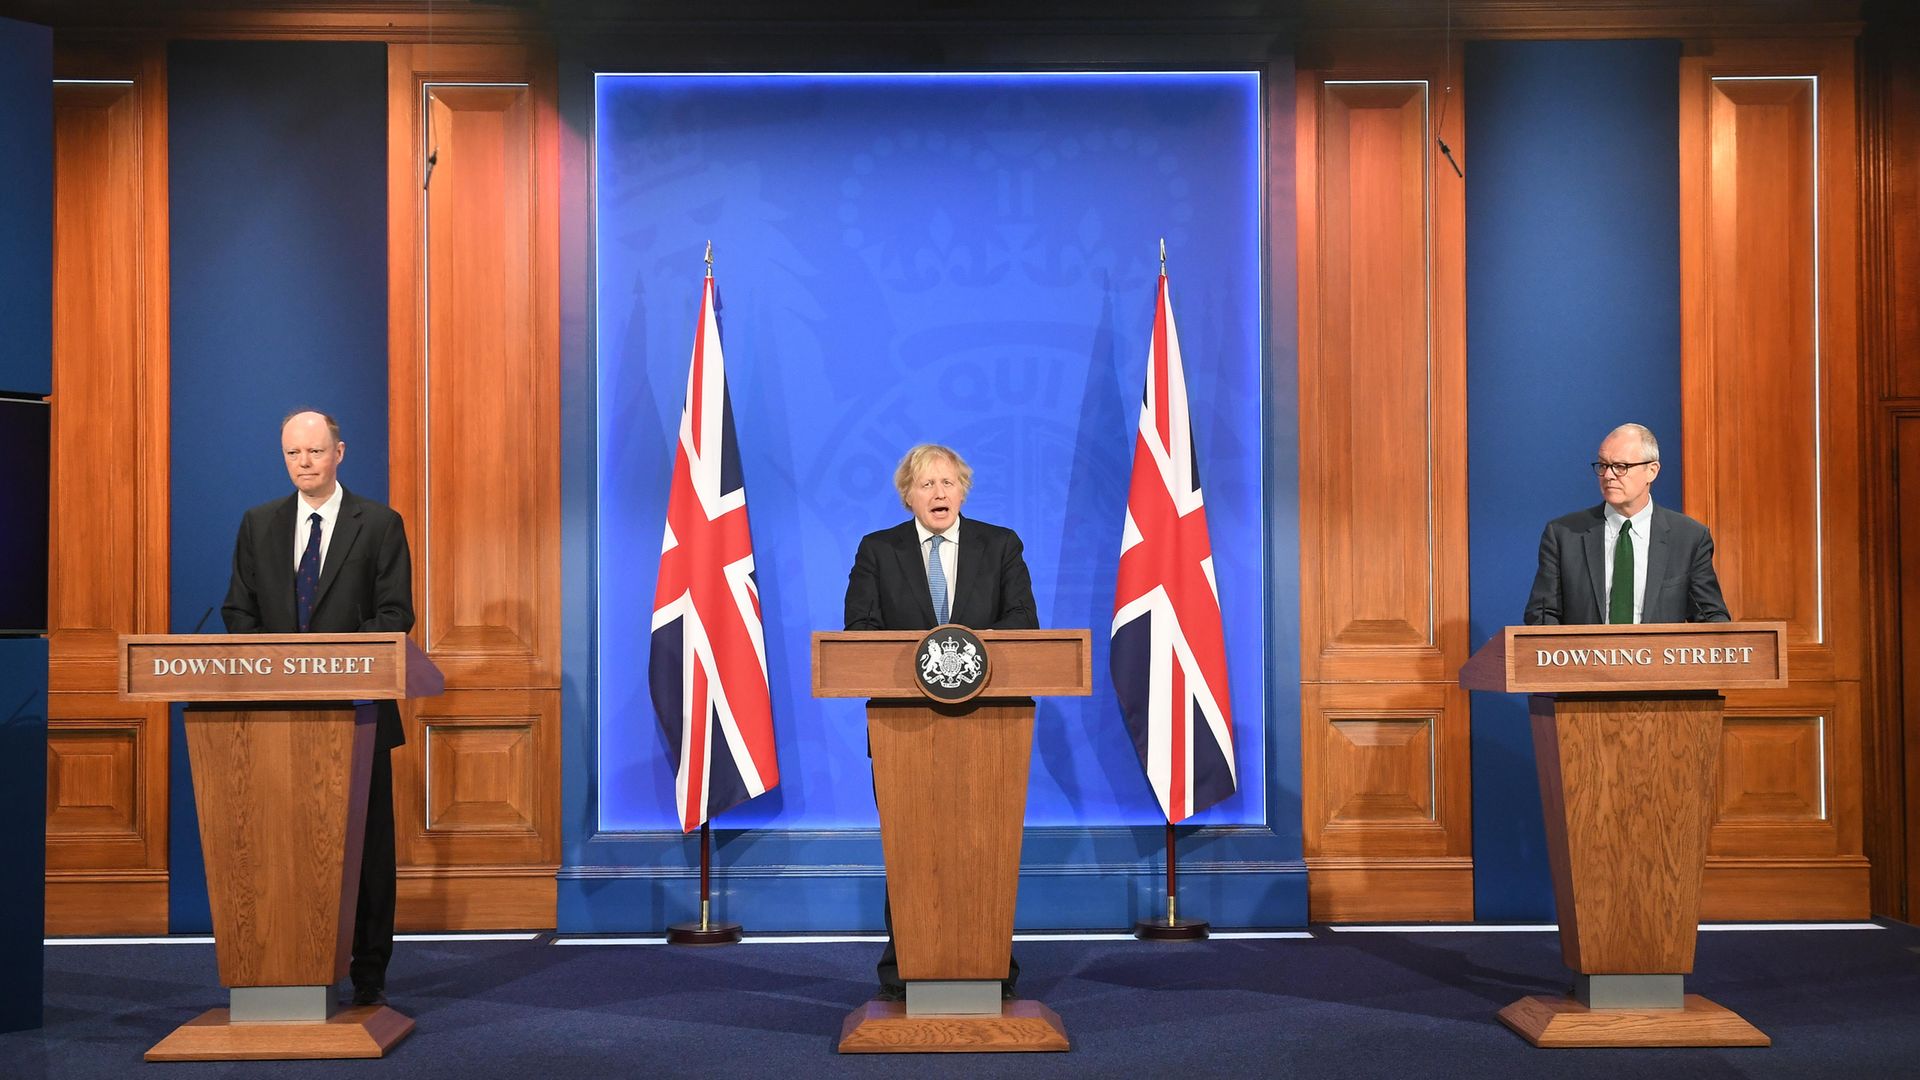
x,y
324,560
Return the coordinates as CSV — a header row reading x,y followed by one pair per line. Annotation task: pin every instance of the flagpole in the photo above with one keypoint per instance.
x,y
1173,927
1165,429
706,931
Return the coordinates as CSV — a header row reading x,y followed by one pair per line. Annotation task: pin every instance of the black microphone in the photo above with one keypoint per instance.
x,y
433,158
203,620
1448,150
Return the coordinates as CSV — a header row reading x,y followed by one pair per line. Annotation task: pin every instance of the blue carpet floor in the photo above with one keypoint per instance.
x,y
1842,1003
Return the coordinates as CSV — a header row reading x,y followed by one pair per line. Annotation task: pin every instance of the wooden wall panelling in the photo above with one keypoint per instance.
x,y
107,759
474,402
1771,407
1385,767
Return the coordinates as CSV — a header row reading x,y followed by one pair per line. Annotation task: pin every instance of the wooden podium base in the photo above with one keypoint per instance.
x,y
883,1027
1562,1021
362,1031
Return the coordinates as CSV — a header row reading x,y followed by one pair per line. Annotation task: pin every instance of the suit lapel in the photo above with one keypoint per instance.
x,y
345,531
276,571
913,571
1659,535
966,579
1595,543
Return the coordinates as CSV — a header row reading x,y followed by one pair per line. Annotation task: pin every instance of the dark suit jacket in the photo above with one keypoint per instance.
x,y
887,588
1570,585
366,583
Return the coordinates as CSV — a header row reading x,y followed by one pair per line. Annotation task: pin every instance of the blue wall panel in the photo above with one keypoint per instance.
x,y
963,259
1573,327
26,208
967,259
277,163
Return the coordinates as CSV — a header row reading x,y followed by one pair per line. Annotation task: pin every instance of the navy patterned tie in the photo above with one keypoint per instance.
x,y
307,579
937,582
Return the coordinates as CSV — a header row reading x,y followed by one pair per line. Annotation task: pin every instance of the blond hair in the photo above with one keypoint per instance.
x,y
919,458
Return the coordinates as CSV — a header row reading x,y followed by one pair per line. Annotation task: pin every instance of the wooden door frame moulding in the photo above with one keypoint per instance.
x,y
1835,654
1893,732
144,66
1447,644
1892,739
1756,874
411,69
1396,867
1581,19
475,879
104,898
271,20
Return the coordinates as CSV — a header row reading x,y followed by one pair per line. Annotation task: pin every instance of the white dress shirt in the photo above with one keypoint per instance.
x,y
1642,527
949,554
303,512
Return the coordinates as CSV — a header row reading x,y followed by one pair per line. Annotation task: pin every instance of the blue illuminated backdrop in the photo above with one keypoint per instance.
x,y
967,259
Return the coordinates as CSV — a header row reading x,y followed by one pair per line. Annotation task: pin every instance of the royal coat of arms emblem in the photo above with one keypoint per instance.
x,y
952,663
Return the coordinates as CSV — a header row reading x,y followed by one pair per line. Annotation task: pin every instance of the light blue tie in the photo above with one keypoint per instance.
x,y
937,582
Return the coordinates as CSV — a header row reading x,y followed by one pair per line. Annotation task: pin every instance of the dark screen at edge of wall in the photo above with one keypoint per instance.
x,y
25,432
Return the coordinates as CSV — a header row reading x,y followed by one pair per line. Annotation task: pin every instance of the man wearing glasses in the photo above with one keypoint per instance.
x,y
1626,560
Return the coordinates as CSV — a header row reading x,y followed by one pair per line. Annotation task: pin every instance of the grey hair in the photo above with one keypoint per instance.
x,y
1649,446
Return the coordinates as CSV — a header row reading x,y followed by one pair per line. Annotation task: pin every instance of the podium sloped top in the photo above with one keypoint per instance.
x,y
275,667
1022,663
1650,657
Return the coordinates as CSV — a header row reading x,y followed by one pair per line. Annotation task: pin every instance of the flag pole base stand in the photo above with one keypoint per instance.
x,y
1177,930
883,1027
692,933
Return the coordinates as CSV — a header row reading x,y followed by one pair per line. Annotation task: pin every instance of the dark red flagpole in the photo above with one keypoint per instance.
x,y
706,931
1173,927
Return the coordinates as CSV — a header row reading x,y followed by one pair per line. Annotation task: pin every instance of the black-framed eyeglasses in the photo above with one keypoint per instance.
x,y
1617,468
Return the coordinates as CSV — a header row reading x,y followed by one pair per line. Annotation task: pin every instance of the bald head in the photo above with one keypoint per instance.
x,y
310,441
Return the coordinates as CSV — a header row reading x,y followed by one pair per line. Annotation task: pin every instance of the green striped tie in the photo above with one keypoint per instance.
x,y
1620,598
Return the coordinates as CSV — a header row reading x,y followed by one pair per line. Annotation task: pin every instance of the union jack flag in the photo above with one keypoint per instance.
x,y
708,665
1169,656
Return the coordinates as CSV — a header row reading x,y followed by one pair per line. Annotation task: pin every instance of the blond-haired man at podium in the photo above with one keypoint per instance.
x,y
324,560
1626,560
931,570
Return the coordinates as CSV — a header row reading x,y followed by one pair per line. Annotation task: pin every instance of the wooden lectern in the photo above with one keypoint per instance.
x,y
1626,737
280,772
951,784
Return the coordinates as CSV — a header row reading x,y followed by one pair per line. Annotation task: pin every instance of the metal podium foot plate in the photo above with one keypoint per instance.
x,y
883,1027
953,997
1562,1021
363,1031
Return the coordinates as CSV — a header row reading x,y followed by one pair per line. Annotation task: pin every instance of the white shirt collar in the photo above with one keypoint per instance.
x,y
1641,521
329,511
951,535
